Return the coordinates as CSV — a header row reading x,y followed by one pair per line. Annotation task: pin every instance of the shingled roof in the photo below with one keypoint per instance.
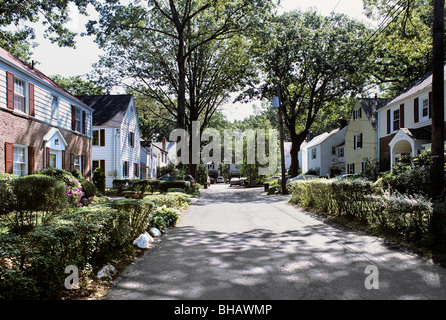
x,y
370,107
109,110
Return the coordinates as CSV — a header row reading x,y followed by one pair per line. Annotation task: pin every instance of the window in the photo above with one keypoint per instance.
x,y
136,169
363,167
95,164
357,114
358,141
125,169
78,163
333,151
131,139
396,119
313,153
424,111
19,95
55,107
95,141
351,168
19,161
341,153
53,160
78,120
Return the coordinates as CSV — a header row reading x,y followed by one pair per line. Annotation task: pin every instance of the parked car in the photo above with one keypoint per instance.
x,y
171,177
273,179
220,179
352,176
234,181
302,177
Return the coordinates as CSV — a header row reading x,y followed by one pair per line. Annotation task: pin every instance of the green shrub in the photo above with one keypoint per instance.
x,y
165,185
37,200
99,179
170,190
164,217
7,198
172,200
139,214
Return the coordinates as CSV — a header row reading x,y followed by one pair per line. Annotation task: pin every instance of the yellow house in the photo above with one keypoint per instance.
x,y
361,135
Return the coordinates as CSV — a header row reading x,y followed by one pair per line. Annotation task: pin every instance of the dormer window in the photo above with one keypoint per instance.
x,y
357,114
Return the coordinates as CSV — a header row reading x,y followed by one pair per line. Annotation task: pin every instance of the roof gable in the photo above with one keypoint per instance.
x,y
370,107
109,110
10,59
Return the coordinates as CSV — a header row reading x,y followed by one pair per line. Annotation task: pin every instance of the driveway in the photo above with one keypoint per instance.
x,y
235,243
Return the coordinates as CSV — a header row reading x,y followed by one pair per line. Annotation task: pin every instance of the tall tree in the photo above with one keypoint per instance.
x,y
315,61
15,33
186,55
154,44
78,86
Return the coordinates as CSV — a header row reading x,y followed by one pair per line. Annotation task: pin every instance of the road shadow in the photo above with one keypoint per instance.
x,y
314,262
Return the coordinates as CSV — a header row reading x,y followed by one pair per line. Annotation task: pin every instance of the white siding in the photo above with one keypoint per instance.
x,y
109,153
43,100
128,153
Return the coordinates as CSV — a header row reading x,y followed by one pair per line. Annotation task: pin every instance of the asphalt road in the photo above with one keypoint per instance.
x,y
236,243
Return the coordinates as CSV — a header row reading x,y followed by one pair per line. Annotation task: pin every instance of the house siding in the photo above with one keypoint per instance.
x,y
128,153
27,130
369,141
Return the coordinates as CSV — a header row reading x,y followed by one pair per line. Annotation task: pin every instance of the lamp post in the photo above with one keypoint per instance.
x,y
277,103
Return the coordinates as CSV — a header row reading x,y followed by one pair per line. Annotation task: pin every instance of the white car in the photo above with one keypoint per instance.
x,y
220,180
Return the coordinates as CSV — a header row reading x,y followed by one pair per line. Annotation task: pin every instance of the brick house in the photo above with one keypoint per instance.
x,y
41,124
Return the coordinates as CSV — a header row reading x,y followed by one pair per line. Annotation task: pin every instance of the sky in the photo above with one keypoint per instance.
x,y
73,62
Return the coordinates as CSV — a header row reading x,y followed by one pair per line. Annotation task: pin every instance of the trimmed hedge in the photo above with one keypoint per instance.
x,y
407,215
33,266
152,186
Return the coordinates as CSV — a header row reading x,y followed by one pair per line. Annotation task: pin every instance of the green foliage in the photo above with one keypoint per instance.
x,y
361,200
53,14
201,174
99,179
166,185
77,86
164,217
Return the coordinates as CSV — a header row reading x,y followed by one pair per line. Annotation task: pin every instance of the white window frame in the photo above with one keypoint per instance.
x,y
55,109
25,95
92,138
393,111
313,153
78,112
24,163
341,152
356,139
356,114
78,163
423,98
350,168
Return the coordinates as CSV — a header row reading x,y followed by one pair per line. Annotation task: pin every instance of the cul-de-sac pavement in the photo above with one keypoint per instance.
x,y
238,243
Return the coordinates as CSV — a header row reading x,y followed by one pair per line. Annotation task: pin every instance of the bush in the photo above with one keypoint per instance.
x,y
37,200
99,179
170,190
406,215
164,217
7,198
165,185
139,214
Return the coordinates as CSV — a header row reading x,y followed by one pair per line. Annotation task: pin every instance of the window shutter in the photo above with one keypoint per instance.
x,y
32,108
84,117
388,121
102,165
416,112
102,138
402,115
9,157
360,112
47,157
10,90
64,167
31,160
360,144
430,105
73,118
83,165
354,142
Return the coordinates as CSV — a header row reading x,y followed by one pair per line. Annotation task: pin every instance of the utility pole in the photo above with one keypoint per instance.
x,y
282,149
438,220
437,166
